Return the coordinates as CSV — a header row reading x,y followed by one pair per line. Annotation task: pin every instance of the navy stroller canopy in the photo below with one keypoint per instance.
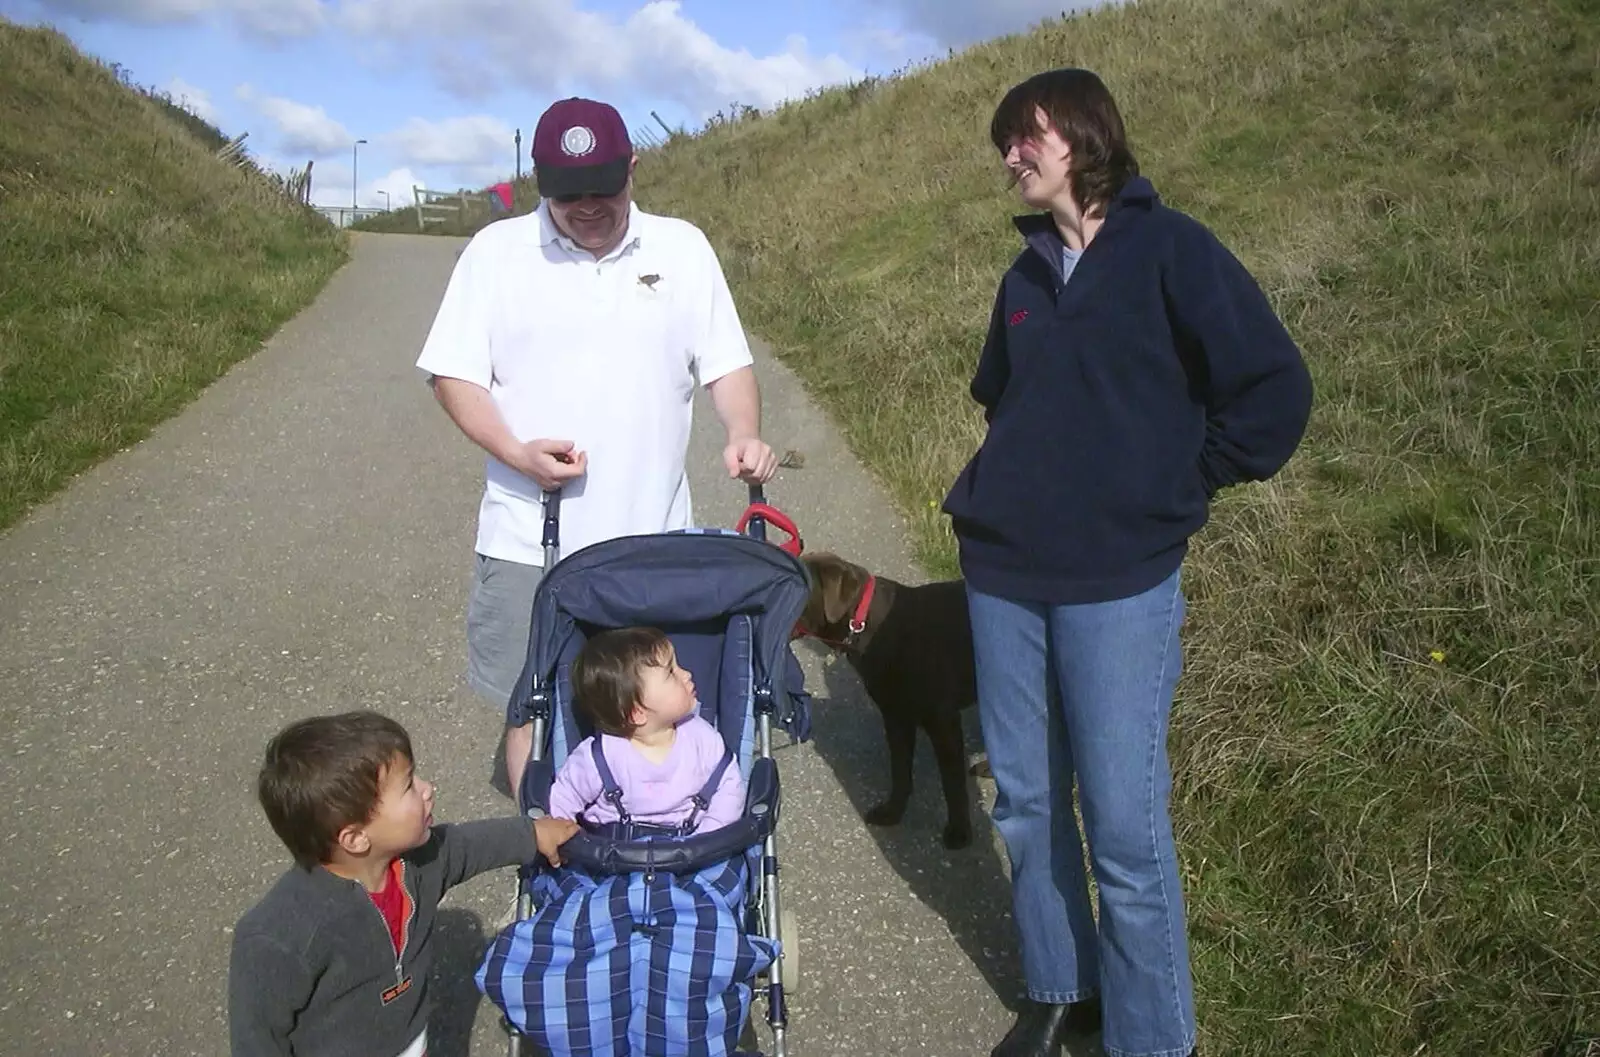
x,y
689,584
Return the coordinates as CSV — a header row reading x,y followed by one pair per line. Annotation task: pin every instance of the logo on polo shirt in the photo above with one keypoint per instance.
x,y
577,141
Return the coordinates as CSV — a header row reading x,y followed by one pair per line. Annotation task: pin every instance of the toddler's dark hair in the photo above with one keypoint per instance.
x,y
606,675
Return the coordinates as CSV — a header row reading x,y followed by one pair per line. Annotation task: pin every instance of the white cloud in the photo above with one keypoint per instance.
x,y
475,141
397,183
330,186
549,46
553,47
149,11
268,18
958,23
885,45
195,100
279,18
301,129
667,50
465,152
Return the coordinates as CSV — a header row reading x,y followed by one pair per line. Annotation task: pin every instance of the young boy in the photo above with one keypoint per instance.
x,y
335,958
669,765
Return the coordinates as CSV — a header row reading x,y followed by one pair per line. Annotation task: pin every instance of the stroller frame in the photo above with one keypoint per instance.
x,y
767,904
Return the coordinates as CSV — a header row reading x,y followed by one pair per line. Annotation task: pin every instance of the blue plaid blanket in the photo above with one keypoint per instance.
x,y
630,965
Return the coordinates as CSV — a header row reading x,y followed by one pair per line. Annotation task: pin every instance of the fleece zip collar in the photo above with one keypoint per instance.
x,y
1039,230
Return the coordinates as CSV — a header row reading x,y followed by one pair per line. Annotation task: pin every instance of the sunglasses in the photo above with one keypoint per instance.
x,y
568,200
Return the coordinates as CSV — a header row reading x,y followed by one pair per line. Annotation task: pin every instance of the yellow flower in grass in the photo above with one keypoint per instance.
x,y
1438,656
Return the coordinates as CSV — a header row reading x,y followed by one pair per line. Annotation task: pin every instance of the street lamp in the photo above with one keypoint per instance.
x,y
353,163
388,206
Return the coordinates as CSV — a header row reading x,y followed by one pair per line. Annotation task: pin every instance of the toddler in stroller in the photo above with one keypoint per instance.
x,y
652,767
664,921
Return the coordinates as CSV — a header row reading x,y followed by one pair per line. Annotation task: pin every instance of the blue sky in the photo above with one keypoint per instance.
x,y
437,87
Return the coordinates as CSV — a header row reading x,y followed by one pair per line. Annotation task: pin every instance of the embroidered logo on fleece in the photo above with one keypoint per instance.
x,y
1017,317
649,280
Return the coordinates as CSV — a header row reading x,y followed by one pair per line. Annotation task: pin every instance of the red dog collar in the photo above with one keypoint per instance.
x,y
858,622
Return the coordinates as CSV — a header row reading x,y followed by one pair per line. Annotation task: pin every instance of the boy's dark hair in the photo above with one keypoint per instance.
x,y
321,774
605,675
1080,108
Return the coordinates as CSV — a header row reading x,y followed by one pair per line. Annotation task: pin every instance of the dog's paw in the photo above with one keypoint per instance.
x,y
957,835
888,814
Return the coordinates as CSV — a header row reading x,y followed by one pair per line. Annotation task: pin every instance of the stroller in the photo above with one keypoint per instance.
x,y
690,927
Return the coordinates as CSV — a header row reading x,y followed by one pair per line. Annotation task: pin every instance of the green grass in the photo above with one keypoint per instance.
x,y
1386,738
135,268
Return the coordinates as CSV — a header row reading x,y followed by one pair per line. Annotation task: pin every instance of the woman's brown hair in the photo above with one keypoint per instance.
x,y
1080,108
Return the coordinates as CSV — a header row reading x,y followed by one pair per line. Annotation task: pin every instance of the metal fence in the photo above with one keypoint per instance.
x,y
344,216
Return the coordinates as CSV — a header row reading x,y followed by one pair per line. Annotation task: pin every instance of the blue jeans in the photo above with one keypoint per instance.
x,y
1084,691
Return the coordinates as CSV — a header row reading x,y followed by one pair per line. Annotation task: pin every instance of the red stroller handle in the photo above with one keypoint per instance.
x,y
778,519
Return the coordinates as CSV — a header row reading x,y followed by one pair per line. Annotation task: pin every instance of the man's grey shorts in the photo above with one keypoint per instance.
x,y
499,614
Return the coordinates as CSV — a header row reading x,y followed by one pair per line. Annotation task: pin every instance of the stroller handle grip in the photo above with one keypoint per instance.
x,y
759,514
551,540
756,518
757,525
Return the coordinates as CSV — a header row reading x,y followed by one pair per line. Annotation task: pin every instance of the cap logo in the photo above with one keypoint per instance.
x,y
577,141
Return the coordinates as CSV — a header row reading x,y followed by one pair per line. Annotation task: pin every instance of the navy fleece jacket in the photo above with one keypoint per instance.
x,y
1118,405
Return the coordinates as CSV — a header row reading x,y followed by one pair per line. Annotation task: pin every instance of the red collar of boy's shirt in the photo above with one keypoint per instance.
x,y
393,902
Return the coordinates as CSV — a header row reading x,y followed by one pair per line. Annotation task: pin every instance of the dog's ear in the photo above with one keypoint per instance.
x,y
842,584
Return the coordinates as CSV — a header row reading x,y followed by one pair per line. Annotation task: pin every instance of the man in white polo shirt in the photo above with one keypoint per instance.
x,y
568,346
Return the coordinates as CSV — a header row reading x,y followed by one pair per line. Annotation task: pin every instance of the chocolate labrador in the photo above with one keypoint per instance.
x,y
912,648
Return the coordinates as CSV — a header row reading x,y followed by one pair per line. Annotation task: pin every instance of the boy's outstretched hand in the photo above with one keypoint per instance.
x,y
551,834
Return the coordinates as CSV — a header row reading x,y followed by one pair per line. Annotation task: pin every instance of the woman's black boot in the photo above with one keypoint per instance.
x,y
1041,1027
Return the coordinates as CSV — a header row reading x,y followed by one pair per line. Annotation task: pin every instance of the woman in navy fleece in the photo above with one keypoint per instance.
x,y
1131,370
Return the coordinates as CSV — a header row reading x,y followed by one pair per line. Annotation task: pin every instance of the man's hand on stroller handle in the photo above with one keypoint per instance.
x,y
750,459
551,463
551,834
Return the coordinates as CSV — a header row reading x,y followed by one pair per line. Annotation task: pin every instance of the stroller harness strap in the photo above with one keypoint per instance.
x,y
699,802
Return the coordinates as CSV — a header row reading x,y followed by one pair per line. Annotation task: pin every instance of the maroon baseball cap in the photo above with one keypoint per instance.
x,y
581,147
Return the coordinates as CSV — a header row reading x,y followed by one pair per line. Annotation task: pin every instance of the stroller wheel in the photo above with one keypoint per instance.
x,y
789,937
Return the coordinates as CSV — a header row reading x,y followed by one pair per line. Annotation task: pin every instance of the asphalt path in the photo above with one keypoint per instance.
x,y
299,541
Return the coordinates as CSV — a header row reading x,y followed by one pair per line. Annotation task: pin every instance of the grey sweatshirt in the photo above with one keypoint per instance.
x,y
314,973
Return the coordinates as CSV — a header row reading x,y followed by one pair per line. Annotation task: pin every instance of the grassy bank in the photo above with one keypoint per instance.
x,y
135,268
1385,741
